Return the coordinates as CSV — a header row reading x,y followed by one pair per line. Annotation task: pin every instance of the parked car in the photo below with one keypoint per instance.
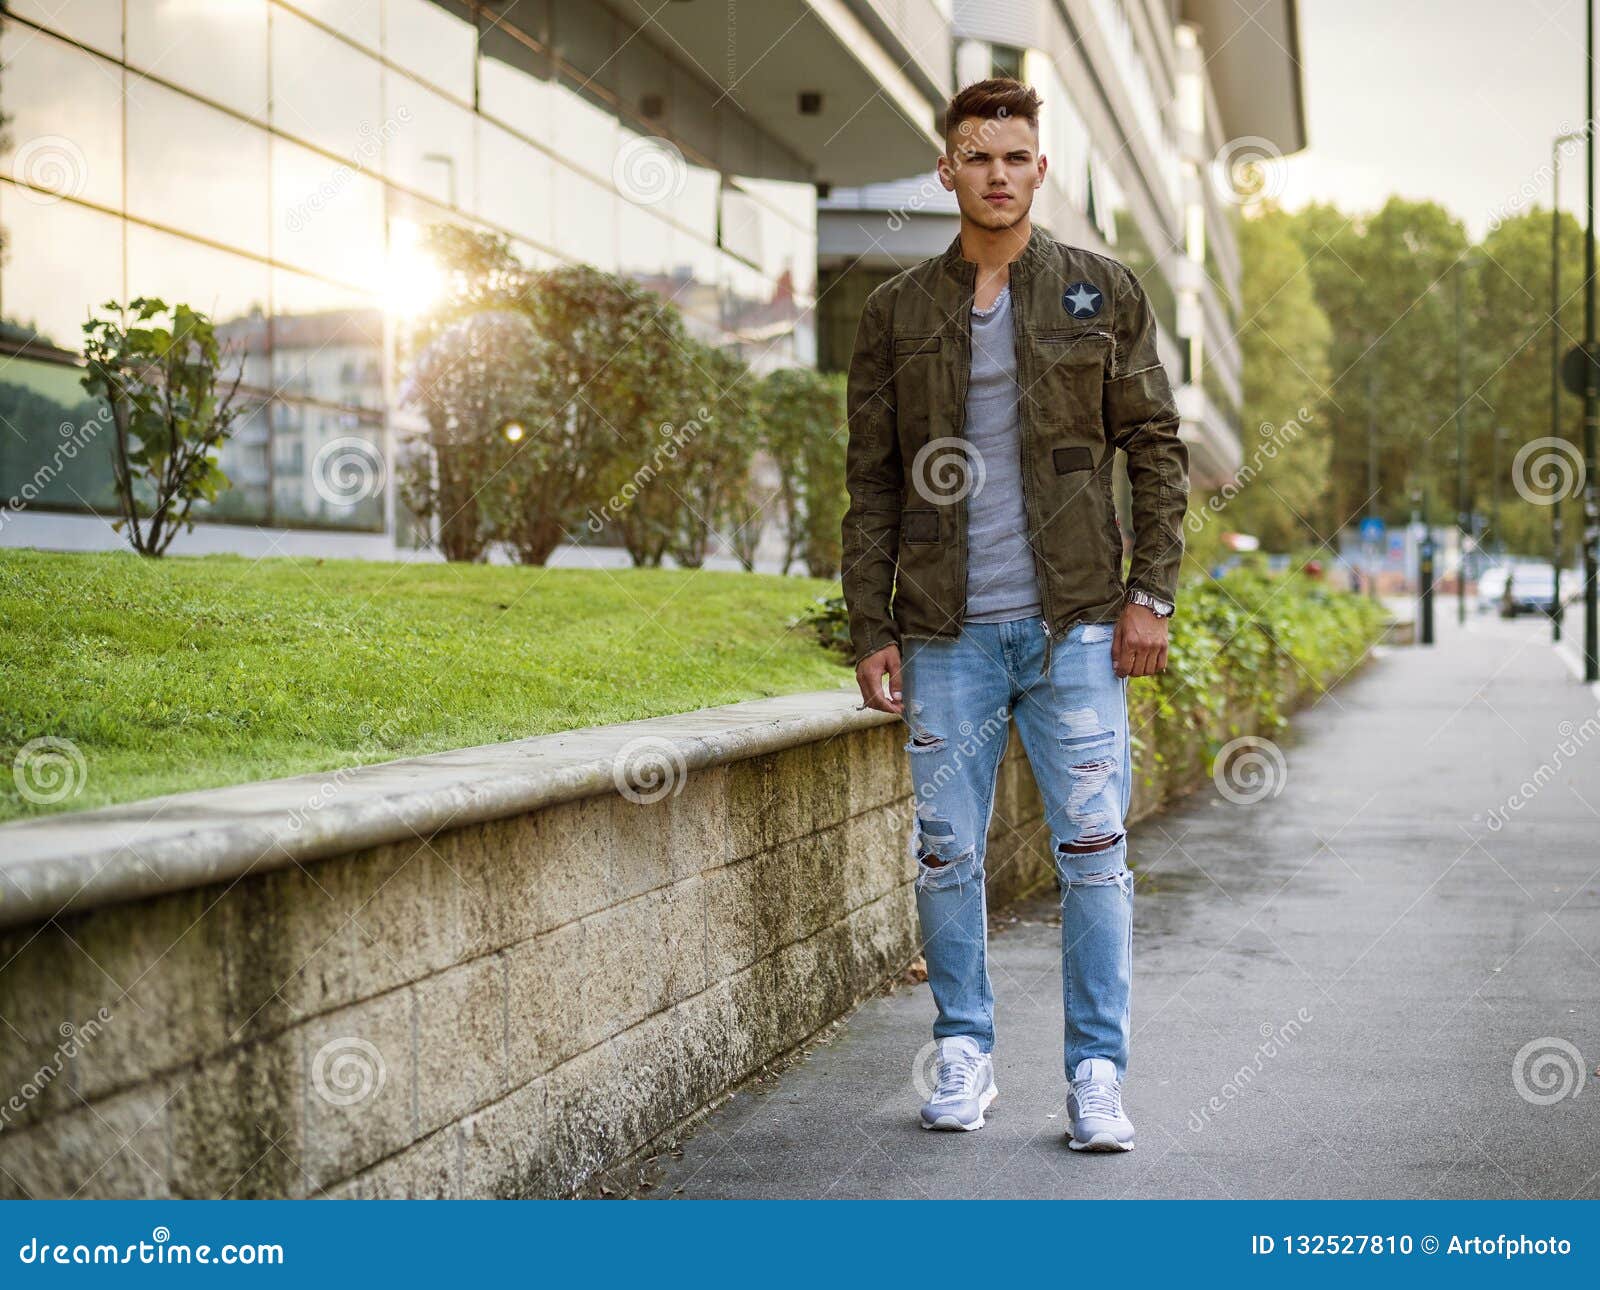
x,y
1531,589
1491,587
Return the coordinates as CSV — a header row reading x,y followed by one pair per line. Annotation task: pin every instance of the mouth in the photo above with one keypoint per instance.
x,y
997,199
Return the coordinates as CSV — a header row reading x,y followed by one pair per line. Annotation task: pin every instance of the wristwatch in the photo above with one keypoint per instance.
x,y
1160,608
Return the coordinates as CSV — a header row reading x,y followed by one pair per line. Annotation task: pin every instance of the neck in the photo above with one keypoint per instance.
x,y
993,249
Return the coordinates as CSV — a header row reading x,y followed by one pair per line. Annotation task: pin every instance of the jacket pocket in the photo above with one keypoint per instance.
x,y
916,372
919,526
1069,375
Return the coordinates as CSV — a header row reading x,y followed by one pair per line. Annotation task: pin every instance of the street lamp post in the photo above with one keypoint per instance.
x,y
1556,542
1591,396
1461,455
1372,460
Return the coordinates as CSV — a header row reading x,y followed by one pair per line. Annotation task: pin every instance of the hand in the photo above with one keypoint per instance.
x,y
1139,643
870,672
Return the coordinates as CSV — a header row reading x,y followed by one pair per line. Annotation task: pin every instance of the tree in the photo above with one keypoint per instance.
x,y
1280,493
170,413
804,432
473,382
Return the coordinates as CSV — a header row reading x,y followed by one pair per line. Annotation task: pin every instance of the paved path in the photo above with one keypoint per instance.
x,y
1349,968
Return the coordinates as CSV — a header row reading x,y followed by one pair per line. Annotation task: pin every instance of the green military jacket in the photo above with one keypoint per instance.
x,y
1091,383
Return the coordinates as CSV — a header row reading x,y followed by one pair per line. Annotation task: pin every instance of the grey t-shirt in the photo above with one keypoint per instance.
x,y
1001,580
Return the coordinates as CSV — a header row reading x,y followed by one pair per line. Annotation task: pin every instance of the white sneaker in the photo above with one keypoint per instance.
x,y
966,1086
1095,1107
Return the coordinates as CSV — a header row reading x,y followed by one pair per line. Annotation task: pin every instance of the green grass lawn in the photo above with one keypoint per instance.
x,y
180,673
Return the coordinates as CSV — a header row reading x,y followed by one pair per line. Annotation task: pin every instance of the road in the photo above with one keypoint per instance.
x,y
1332,986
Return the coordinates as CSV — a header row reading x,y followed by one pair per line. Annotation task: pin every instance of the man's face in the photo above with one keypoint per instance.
x,y
993,166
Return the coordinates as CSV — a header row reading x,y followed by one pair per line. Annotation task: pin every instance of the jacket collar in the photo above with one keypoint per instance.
x,y
1033,258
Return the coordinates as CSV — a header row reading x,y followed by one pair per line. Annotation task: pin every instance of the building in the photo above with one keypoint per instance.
x,y
1149,107
272,162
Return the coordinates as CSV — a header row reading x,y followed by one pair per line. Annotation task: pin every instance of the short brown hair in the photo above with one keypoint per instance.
x,y
995,99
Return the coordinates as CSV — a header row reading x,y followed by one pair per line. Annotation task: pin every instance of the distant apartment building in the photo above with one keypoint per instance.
x,y
1146,104
274,162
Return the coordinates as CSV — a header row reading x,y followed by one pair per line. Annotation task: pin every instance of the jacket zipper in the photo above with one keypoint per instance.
x,y
1040,568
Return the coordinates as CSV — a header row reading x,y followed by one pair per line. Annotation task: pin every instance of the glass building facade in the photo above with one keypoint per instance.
x,y
274,164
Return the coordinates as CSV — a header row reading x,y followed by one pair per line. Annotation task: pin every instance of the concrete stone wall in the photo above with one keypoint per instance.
x,y
498,1010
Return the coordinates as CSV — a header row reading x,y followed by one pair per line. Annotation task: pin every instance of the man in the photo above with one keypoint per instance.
x,y
989,390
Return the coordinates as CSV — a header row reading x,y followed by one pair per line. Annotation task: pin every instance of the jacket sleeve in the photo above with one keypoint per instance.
x,y
873,477
1141,418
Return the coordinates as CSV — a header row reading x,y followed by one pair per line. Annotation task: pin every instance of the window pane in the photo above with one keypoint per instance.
x,y
360,20
96,23
328,468
216,50
328,216
197,169
230,289
54,448
592,239
514,84
438,46
61,262
327,343
65,117
323,91
243,459
515,183
432,152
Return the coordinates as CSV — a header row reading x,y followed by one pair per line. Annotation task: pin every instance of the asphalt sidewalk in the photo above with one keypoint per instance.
x,y
1332,985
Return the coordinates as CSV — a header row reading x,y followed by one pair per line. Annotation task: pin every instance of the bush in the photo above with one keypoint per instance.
x,y
171,410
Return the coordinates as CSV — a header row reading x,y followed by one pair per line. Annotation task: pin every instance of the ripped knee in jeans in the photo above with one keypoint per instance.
x,y
943,860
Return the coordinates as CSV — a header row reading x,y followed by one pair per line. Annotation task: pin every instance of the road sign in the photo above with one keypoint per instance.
x,y
1573,365
1372,531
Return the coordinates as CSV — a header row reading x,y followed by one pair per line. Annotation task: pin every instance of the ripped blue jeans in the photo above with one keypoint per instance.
x,y
960,696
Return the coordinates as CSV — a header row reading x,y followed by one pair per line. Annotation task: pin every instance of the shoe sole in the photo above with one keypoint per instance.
x,y
1100,1142
950,1121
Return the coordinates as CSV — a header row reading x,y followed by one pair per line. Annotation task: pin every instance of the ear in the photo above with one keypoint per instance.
x,y
1044,165
946,178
